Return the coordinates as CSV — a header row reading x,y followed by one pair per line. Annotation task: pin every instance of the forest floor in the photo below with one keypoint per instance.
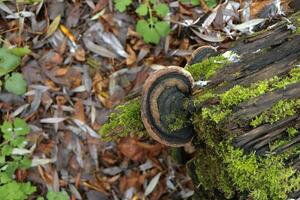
x,y
64,66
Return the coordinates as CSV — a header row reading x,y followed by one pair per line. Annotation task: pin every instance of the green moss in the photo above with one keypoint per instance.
x,y
215,113
207,67
280,110
294,77
125,120
239,94
203,97
210,173
230,170
177,121
292,132
263,177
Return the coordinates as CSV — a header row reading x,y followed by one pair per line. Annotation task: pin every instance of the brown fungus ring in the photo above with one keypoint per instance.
x,y
164,94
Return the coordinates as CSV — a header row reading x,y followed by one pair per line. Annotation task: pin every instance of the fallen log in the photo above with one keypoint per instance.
x,y
248,126
246,119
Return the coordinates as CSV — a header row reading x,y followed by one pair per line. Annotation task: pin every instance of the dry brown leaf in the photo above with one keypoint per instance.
x,y
132,56
129,147
61,71
80,54
134,179
79,110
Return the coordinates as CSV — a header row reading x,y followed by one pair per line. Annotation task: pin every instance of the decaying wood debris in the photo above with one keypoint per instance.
x,y
254,104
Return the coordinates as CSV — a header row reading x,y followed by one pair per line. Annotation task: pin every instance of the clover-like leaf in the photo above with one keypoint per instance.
x,y
8,61
6,150
162,9
121,5
211,3
20,51
147,31
163,28
142,10
7,130
18,142
51,195
16,84
21,127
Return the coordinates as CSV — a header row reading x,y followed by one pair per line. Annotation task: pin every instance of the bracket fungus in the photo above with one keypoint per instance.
x,y
165,94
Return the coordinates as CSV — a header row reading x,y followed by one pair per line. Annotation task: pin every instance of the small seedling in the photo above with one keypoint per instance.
x,y
13,136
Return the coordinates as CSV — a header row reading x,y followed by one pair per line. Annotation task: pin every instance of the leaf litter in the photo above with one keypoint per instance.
x,y
87,58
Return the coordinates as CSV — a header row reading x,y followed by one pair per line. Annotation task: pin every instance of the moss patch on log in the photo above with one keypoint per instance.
x,y
230,170
207,67
280,110
239,94
125,120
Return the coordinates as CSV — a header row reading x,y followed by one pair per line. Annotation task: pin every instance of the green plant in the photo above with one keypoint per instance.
x,y
15,84
51,195
151,26
13,135
10,59
209,3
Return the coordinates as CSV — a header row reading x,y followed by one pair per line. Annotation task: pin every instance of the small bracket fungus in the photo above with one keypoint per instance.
x,y
164,97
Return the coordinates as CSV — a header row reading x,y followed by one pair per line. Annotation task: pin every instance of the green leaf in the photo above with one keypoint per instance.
x,y
16,84
7,129
154,2
163,28
8,61
6,150
195,2
16,191
2,161
162,9
122,4
152,36
21,127
211,3
148,33
18,141
142,26
51,195
4,178
142,10
20,51
24,163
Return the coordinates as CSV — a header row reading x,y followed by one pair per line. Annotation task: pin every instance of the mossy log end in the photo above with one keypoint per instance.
x,y
247,124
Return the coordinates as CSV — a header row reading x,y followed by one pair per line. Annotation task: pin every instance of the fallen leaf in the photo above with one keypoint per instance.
x,y
79,111
80,54
129,148
152,184
131,59
53,26
61,71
